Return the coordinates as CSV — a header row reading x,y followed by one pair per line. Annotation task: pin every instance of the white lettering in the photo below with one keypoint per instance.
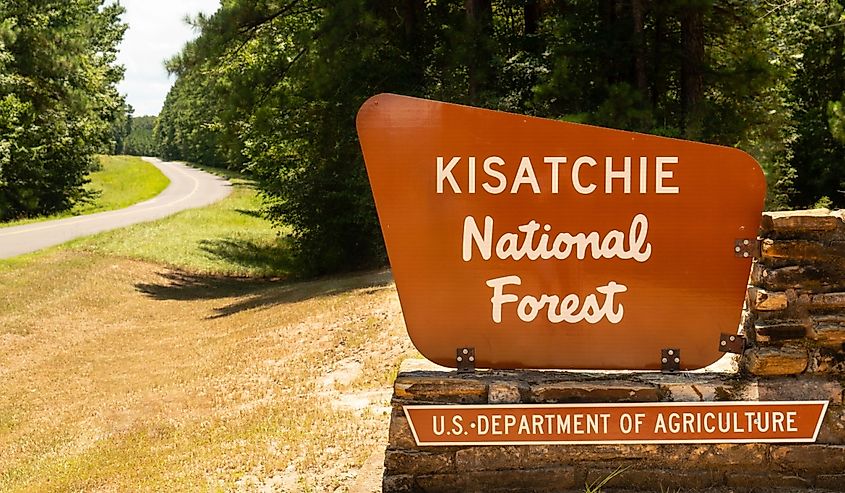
x,y
472,234
492,173
445,173
504,177
576,175
556,310
555,162
527,243
499,298
660,174
471,187
610,175
643,173
525,174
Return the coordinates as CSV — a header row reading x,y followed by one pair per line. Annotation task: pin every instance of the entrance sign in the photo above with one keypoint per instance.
x,y
675,422
546,244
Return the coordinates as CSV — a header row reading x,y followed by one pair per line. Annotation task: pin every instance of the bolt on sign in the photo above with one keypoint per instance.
x,y
547,244
656,422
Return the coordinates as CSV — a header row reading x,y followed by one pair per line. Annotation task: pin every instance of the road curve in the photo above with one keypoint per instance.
x,y
189,188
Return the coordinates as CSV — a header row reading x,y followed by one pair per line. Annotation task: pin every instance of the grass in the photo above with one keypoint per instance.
x,y
170,356
229,238
121,182
116,378
597,485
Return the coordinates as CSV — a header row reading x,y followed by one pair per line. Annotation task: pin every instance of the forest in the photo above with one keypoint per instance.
x,y
135,136
271,88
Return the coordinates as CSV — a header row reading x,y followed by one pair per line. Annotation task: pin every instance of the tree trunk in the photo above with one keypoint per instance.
x,y
478,9
692,71
412,20
532,16
532,13
658,78
479,24
639,48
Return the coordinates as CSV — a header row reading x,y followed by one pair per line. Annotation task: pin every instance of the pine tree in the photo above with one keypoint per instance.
x,y
58,99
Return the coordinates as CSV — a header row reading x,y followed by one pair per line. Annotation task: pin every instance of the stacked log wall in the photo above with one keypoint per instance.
x,y
796,299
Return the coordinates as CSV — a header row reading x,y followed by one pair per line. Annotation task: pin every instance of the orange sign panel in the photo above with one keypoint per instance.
x,y
675,422
546,244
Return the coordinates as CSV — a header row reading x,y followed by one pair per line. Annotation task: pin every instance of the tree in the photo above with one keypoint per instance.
x,y
121,127
278,86
57,99
273,86
816,154
140,140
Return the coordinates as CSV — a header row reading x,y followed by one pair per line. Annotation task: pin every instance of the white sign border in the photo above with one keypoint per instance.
x,y
631,405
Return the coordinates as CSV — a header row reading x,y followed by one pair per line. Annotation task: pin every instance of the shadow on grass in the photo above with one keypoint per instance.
x,y
252,293
251,213
267,260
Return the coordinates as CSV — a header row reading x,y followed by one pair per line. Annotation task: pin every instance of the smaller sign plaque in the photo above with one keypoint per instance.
x,y
671,422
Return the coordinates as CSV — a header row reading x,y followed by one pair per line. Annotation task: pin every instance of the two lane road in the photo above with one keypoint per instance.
x,y
189,188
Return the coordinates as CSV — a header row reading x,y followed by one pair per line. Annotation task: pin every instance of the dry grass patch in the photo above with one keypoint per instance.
x,y
120,375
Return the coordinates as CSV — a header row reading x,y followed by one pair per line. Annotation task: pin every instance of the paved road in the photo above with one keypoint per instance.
x,y
189,188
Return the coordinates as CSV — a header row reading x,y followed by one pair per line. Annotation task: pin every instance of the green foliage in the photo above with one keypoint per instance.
x,y
57,100
296,132
121,127
140,140
310,168
273,87
188,125
836,119
824,202
818,30
120,182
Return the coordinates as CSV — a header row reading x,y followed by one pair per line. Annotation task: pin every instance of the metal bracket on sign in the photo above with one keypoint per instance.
x,y
747,247
465,358
670,360
731,343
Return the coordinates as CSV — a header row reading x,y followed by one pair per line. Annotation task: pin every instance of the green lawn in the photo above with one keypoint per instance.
x,y
229,238
122,181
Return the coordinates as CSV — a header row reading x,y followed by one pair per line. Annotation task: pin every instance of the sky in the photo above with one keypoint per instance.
x,y
156,32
